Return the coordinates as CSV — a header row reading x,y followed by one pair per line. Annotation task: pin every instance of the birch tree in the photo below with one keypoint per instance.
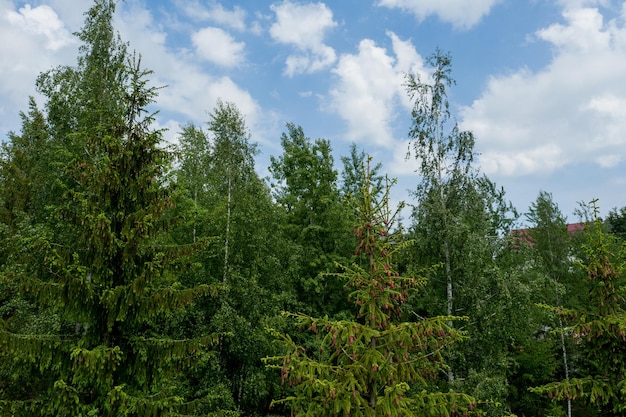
x,y
460,218
552,246
598,327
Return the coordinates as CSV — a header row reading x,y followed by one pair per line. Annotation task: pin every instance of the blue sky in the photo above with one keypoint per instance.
x,y
542,84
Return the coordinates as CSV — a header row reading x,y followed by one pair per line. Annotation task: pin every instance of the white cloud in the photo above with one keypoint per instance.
x,y
191,91
370,89
40,40
569,112
235,19
582,33
35,39
216,13
463,14
219,47
304,26
544,158
43,21
72,16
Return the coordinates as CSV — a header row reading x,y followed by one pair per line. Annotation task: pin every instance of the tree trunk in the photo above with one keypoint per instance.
x,y
565,365
226,237
561,328
448,266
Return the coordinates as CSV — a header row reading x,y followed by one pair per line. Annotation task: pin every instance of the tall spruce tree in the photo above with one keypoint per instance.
x,y
376,364
101,267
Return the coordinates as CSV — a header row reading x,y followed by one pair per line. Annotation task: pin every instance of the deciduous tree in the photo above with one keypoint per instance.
x,y
599,328
460,220
316,217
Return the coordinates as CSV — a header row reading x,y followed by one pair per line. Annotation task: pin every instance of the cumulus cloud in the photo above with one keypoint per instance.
x,y
215,12
42,21
35,39
370,89
219,47
191,90
569,112
235,18
304,26
463,14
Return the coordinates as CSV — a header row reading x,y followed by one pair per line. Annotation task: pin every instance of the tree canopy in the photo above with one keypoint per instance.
x,y
141,278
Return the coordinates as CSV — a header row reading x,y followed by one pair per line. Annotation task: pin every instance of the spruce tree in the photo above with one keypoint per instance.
x,y
102,269
376,364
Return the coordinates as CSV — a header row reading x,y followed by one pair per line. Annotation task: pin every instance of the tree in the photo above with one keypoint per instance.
x,y
243,215
550,247
225,201
26,188
91,94
445,159
233,154
616,221
316,217
599,328
193,174
376,364
353,174
100,265
26,178
460,222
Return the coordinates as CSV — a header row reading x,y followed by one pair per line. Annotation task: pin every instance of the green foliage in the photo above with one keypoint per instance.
x,y
352,175
460,221
317,221
111,260
25,170
377,364
599,328
224,200
616,221
308,188
98,265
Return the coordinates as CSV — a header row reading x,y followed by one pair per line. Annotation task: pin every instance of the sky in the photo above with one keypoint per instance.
x,y
541,84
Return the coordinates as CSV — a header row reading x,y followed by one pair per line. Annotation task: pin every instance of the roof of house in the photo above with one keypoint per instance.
x,y
523,235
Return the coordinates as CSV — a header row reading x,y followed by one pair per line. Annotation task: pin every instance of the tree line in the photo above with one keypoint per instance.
x,y
143,279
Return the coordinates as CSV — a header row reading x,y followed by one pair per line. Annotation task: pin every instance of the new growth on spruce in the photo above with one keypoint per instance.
x,y
377,364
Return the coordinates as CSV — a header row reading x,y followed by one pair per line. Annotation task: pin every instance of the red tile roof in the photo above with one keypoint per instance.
x,y
523,235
